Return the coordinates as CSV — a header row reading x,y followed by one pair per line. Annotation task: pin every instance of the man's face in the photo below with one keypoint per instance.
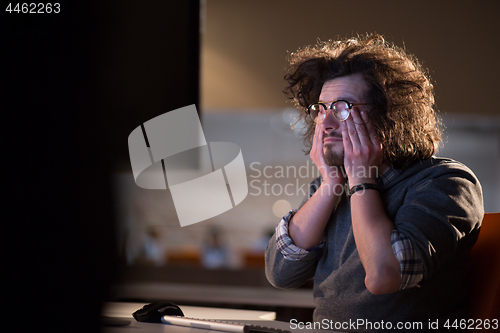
x,y
352,88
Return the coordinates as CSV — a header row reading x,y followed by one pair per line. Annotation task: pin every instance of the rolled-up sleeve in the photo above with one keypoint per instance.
x,y
441,216
287,265
412,269
285,244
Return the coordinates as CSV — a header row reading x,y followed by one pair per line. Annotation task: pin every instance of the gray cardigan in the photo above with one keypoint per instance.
x,y
438,204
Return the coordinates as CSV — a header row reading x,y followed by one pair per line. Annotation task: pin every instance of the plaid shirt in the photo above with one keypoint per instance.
x,y
412,269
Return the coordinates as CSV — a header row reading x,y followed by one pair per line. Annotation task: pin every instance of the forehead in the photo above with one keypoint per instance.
x,y
352,88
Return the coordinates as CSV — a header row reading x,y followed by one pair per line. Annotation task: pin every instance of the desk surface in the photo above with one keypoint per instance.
x,y
179,293
137,327
124,310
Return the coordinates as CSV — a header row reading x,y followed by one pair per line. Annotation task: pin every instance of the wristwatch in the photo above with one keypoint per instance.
x,y
363,187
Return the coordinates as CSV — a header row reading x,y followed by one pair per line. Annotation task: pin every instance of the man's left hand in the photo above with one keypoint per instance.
x,y
363,154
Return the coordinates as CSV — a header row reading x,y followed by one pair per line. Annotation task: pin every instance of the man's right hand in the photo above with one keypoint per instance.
x,y
332,175
307,226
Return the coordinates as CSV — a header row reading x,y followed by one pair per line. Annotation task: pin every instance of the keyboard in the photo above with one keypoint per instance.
x,y
219,325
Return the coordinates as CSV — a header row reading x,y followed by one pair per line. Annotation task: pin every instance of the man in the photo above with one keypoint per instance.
x,y
393,249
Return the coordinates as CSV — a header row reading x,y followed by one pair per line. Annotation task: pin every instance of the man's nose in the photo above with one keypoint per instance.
x,y
330,123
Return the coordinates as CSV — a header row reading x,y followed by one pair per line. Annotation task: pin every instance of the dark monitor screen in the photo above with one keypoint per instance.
x,y
77,80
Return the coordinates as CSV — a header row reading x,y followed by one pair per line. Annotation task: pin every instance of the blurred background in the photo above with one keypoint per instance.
x,y
243,56
244,48
121,63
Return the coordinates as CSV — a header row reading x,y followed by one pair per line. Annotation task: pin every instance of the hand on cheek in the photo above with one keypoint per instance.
x,y
330,174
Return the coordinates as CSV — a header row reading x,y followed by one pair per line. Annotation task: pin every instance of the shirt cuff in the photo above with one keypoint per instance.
x,y
285,244
412,269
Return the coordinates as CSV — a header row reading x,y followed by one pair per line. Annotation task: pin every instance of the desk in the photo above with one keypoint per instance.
x,y
287,304
124,310
179,293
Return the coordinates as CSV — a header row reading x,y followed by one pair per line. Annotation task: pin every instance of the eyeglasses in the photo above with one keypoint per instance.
x,y
340,109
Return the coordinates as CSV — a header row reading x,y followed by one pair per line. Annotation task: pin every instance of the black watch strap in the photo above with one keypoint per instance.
x,y
363,187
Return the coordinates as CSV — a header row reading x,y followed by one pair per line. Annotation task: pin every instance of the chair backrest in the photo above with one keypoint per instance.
x,y
485,274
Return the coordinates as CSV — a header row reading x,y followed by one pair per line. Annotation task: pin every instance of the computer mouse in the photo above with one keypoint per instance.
x,y
153,312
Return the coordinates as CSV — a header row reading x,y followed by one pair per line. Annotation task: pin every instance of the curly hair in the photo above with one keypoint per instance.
x,y
400,92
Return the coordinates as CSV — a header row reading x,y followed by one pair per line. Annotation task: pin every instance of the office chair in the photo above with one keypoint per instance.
x,y
485,273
